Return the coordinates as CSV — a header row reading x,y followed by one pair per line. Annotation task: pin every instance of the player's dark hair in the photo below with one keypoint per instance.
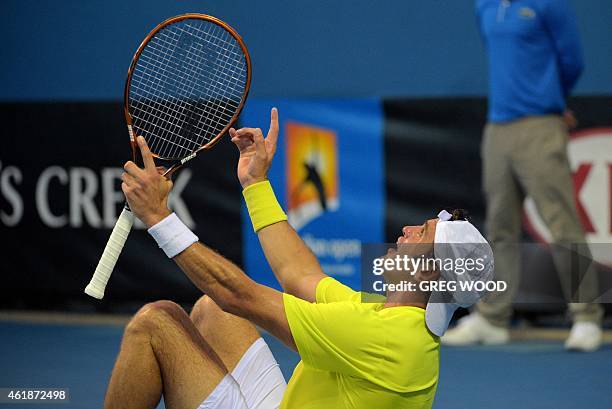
x,y
459,214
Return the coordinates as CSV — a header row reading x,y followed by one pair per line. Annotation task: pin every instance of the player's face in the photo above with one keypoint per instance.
x,y
417,240
421,234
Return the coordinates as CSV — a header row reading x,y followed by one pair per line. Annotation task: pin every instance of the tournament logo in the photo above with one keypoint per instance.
x,y
590,156
311,173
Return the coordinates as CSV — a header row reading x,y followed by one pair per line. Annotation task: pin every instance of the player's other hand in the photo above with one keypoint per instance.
x,y
570,119
256,153
146,189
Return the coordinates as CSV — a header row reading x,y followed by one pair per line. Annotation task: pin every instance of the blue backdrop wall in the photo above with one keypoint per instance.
x,y
62,68
80,50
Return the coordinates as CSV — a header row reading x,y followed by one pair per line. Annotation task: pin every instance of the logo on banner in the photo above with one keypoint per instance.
x,y
76,196
590,156
311,173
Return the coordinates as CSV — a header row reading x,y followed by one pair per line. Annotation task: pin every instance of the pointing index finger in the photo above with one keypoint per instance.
x,y
147,156
272,136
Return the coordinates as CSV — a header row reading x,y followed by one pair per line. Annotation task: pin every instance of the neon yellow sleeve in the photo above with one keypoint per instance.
x,y
331,290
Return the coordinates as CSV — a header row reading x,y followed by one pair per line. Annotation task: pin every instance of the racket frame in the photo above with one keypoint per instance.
x,y
118,237
126,93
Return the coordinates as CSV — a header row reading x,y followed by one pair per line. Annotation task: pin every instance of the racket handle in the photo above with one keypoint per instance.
x,y
113,248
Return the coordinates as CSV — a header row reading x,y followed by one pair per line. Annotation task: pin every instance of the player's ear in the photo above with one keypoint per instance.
x,y
427,275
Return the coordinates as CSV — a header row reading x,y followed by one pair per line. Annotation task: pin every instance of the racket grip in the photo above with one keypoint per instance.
x,y
111,253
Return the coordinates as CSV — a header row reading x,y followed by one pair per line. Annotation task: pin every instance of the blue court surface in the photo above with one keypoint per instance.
x,y
525,374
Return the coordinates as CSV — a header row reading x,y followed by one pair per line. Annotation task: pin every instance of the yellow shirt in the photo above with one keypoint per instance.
x,y
359,355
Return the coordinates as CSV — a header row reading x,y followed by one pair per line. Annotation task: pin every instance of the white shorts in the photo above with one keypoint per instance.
x,y
255,383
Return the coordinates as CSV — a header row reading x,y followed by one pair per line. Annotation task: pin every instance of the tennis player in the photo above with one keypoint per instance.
x,y
353,354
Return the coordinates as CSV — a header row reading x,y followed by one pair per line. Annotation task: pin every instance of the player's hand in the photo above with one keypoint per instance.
x,y
146,189
256,153
570,119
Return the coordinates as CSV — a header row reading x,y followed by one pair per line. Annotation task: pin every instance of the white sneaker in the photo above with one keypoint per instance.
x,y
584,337
475,329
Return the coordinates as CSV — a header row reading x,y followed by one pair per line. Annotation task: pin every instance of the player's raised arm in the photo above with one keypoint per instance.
x,y
292,262
147,193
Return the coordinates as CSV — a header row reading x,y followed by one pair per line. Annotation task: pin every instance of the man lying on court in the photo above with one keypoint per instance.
x,y
354,354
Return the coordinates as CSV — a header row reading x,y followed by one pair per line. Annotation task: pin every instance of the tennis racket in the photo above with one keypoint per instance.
x,y
185,88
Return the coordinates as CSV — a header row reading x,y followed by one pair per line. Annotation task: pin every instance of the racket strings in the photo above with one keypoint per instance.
x,y
187,85
191,70
217,84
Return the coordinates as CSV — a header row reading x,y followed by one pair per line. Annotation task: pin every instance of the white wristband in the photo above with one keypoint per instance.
x,y
172,236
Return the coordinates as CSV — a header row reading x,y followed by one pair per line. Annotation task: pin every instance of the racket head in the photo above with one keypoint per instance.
x,y
186,85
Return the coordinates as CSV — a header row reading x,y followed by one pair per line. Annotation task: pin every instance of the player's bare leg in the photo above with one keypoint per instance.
x,y
162,351
230,336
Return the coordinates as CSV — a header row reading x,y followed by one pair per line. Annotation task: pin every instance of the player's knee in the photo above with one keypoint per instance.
x,y
203,306
153,315
204,309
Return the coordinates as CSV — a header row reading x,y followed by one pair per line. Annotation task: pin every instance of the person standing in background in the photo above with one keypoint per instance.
x,y
535,59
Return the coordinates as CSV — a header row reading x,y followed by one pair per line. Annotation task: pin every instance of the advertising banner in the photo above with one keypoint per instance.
x,y
60,195
348,172
328,176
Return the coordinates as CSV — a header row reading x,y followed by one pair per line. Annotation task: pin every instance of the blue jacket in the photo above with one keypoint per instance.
x,y
534,53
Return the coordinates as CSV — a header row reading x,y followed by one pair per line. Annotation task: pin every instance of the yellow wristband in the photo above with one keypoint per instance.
x,y
262,205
